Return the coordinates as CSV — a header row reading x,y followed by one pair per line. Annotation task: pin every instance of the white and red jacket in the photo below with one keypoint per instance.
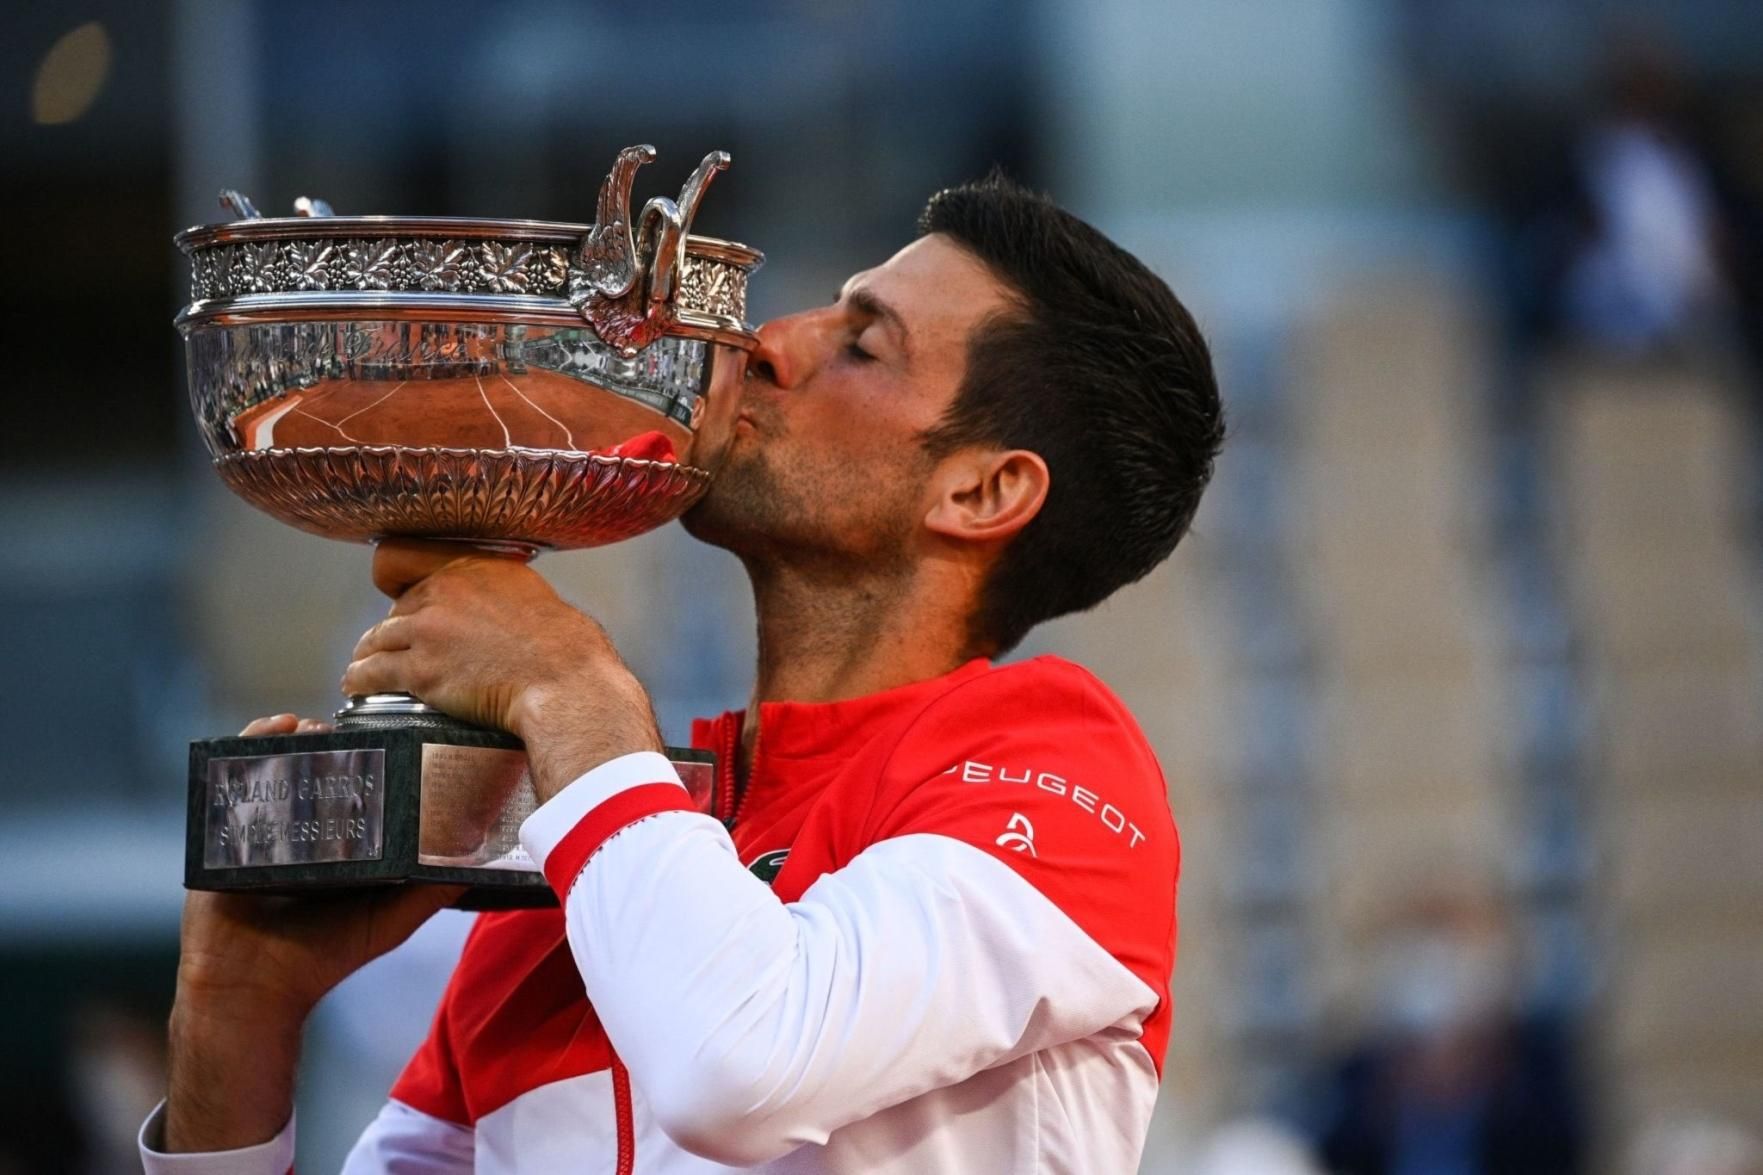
x,y
962,965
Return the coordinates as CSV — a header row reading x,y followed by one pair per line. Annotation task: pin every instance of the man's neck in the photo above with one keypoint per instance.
x,y
822,640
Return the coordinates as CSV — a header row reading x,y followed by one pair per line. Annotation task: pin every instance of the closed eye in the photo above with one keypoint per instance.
x,y
868,309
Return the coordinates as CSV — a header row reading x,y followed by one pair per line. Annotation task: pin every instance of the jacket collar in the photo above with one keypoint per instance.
x,y
814,730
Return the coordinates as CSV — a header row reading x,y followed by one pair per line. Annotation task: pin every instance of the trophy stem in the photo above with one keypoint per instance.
x,y
521,552
386,711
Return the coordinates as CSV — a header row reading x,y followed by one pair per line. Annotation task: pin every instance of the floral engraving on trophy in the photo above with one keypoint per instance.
x,y
547,271
437,265
504,266
711,287
706,285
251,268
371,265
205,282
310,262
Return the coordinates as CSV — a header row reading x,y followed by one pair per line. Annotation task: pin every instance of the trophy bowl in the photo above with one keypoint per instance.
x,y
516,385
500,381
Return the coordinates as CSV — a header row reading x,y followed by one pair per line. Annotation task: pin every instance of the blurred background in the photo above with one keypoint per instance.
x,y
1458,684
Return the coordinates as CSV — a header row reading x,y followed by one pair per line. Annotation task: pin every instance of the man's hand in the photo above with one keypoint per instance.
x,y
250,971
487,640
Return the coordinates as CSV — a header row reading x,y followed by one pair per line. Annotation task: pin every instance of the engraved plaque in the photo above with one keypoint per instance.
x,y
295,808
473,802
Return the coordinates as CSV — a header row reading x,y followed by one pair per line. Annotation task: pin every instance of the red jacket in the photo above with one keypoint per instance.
x,y
962,964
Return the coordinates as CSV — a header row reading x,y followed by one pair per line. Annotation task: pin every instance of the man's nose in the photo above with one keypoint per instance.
x,y
790,348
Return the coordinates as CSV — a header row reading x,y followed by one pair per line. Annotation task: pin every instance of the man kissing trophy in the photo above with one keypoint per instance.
x,y
924,917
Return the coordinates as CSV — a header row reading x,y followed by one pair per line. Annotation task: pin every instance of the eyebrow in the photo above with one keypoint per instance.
x,y
867,303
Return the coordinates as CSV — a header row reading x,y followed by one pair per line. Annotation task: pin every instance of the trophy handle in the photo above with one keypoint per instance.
x,y
626,272
239,204
610,263
670,253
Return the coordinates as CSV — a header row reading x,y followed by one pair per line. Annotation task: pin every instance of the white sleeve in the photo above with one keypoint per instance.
x,y
403,1141
400,1141
752,1026
275,1157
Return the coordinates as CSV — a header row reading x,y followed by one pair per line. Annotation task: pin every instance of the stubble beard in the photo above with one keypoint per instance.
x,y
810,515
746,503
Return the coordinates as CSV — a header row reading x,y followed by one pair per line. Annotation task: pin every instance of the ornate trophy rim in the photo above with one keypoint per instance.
x,y
349,305
559,232
632,275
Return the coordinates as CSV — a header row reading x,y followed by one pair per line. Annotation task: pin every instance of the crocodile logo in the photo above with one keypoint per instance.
x,y
766,866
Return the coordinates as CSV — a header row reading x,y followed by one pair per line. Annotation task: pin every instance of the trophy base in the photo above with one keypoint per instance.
x,y
434,801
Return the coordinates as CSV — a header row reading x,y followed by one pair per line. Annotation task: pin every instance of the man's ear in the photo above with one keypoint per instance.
x,y
985,495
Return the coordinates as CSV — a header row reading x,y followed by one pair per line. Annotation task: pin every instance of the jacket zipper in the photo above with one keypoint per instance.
x,y
752,774
725,802
621,1112
728,801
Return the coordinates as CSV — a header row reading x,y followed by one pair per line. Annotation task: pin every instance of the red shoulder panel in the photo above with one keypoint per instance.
x,y
1040,765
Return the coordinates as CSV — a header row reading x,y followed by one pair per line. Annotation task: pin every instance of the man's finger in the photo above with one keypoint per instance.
x,y
400,563
273,724
314,726
388,636
378,673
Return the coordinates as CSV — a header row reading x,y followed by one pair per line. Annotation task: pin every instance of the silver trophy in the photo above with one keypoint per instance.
x,y
517,385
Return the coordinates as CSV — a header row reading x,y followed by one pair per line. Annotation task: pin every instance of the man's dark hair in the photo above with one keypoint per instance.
x,y
1101,371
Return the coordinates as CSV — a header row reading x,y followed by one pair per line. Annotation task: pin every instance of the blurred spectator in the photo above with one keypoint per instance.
x,y
1696,1147
1450,1076
1645,276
